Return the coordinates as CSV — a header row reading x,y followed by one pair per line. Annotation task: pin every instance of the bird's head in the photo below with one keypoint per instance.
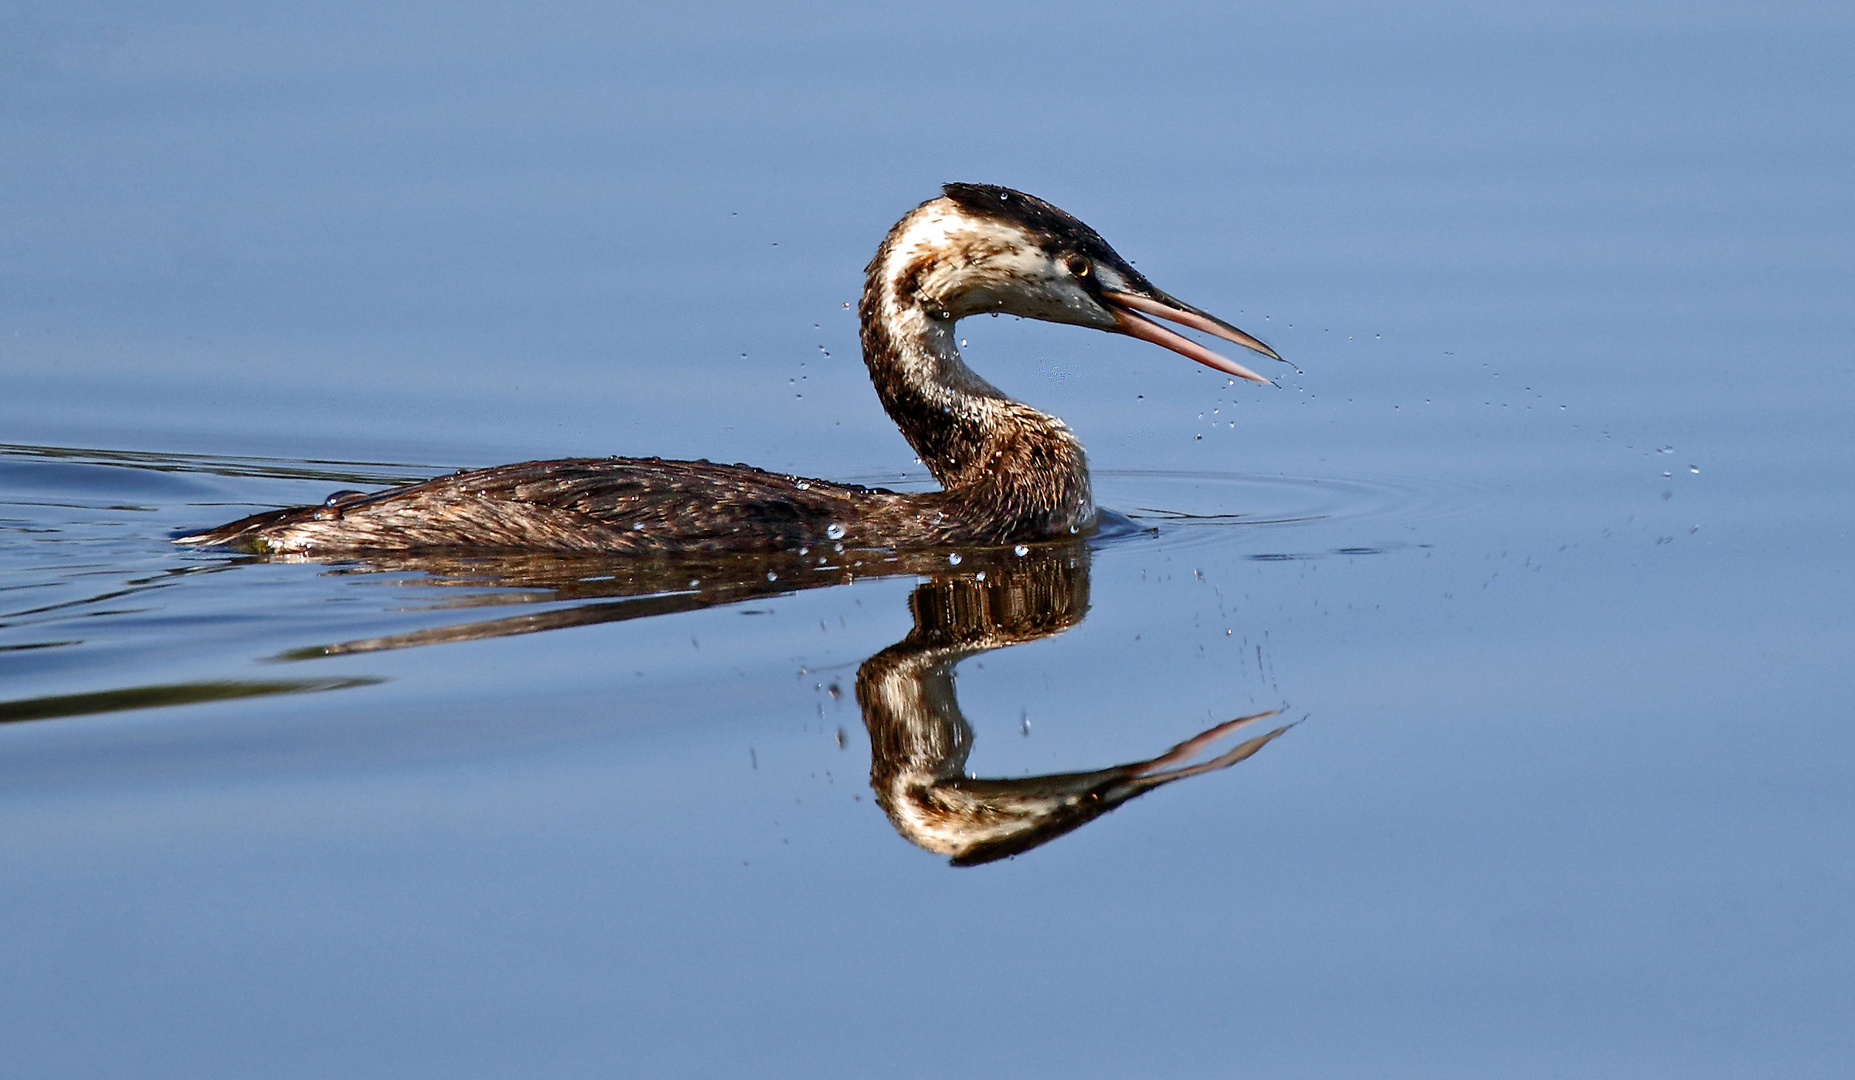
x,y
980,249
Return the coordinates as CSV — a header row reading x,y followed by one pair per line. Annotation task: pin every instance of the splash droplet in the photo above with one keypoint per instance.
x,y
1021,550
834,531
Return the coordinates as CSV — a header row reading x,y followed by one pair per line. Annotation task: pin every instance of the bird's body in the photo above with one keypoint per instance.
x,y
616,506
1008,473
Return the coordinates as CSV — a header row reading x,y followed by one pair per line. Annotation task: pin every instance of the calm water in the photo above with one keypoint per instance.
x,y
1540,554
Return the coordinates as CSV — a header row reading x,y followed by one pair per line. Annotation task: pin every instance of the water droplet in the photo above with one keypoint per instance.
x,y
771,576
834,531
1694,468
1196,437
1021,550
953,559
980,576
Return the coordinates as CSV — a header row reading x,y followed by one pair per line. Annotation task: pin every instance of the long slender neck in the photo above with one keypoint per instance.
x,y
976,441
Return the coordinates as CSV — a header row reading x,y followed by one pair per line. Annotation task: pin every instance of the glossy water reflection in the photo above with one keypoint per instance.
x,y
919,740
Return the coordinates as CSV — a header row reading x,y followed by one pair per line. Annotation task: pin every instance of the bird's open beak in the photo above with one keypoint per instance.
x,y
1127,307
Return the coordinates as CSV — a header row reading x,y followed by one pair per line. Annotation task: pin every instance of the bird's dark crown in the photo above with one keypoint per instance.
x,y
1056,230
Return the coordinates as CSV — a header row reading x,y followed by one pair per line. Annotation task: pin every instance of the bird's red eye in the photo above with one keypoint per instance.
x,y
1077,265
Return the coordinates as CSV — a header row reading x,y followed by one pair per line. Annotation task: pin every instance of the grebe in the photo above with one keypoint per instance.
x,y
1008,473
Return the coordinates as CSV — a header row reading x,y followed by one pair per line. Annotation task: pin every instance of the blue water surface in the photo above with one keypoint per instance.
x,y
1542,544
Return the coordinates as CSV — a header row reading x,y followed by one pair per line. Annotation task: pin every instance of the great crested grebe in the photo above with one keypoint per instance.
x,y
1008,473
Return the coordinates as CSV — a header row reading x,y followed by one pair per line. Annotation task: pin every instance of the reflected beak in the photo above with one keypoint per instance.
x,y
1129,307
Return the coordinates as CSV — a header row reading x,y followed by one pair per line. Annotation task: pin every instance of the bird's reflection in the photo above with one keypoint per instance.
x,y
919,739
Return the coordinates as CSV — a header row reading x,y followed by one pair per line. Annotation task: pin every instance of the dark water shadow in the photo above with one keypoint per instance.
x,y
353,472
154,697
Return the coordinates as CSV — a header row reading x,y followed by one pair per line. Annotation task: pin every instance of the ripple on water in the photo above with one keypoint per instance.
x,y
1277,518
